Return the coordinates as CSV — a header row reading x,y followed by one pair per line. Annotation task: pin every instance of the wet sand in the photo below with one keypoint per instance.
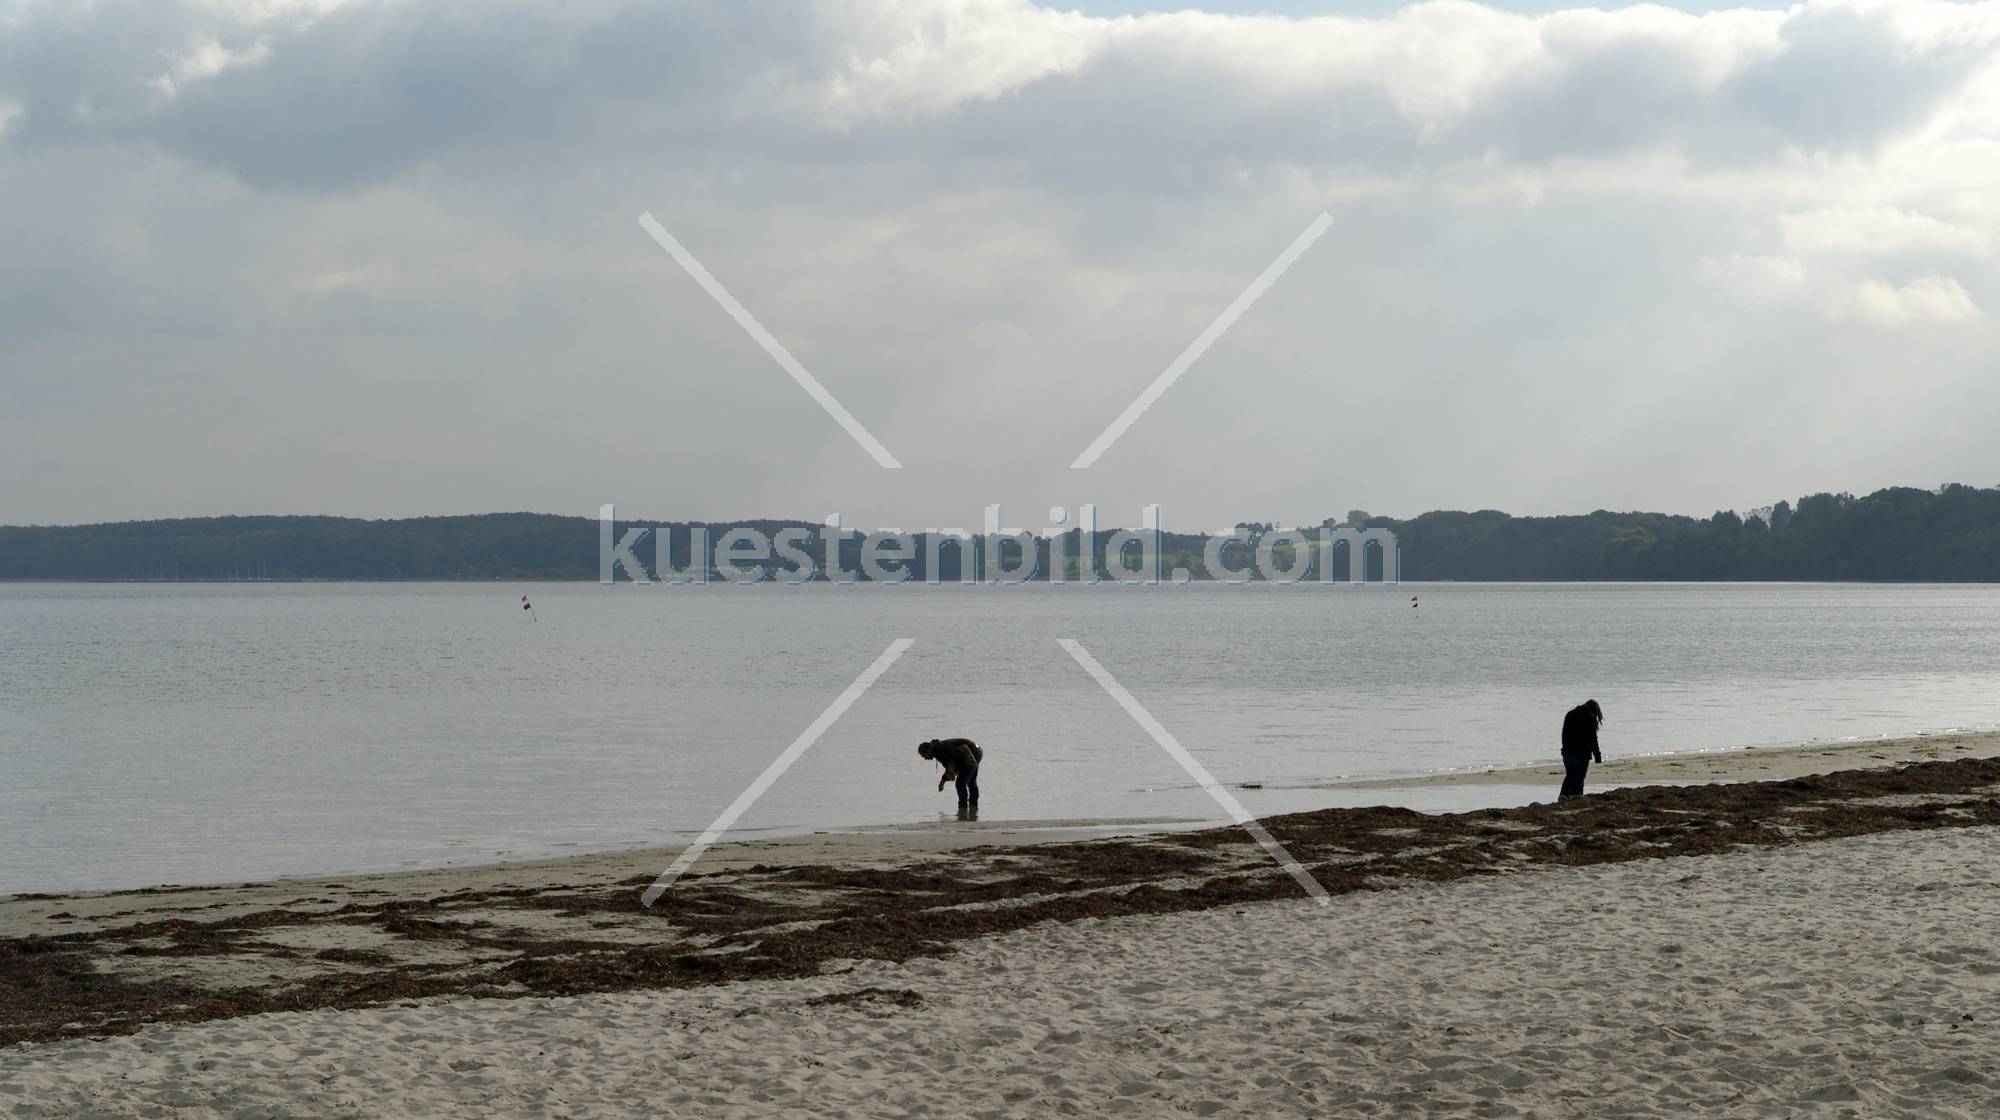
x,y
1746,764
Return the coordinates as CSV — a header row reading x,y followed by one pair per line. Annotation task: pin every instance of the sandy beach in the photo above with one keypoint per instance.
x,y
1793,947
1850,978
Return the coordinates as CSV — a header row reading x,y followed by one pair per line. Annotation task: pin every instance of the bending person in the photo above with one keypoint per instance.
x,y
961,759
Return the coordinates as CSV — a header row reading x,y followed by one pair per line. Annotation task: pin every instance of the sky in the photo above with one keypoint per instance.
x,y
383,258
1308,9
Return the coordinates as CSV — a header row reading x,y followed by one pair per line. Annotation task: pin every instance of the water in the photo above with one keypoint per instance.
x,y
207,733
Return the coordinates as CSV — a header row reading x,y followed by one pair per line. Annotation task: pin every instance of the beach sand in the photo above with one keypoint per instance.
x,y
1815,947
1851,977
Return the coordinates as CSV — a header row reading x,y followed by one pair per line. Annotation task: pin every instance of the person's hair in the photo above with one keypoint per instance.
x,y
1591,707
924,748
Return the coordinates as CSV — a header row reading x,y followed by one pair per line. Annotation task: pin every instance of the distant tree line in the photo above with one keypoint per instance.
x,y
514,546
1952,533
1948,534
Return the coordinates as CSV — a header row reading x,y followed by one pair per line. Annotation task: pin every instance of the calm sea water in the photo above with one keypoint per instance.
x,y
206,733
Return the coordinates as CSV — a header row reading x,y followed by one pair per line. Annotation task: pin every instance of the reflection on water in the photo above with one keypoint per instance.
x,y
198,733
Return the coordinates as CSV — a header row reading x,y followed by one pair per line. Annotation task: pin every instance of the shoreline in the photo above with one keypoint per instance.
x,y
1725,764
116,963
876,844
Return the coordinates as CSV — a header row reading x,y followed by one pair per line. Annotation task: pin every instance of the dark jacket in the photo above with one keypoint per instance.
x,y
956,754
1580,734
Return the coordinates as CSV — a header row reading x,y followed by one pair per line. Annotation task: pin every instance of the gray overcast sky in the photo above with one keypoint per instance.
x,y
381,257
1307,9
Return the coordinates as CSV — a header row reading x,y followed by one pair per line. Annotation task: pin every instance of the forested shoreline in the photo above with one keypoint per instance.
x,y
1948,534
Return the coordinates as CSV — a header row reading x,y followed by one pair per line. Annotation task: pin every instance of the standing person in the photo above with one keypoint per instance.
x,y
1579,746
961,759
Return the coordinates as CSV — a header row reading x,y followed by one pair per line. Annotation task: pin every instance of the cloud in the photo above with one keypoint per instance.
x,y
205,59
1849,77
379,256
373,278
1757,278
355,92
947,54
1927,299
1880,231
